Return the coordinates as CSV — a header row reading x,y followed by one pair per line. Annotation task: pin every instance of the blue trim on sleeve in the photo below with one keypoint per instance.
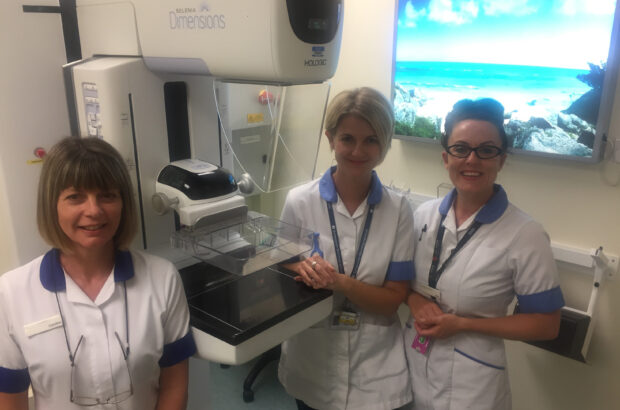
x,y
542,302
400,271
178,351
14,381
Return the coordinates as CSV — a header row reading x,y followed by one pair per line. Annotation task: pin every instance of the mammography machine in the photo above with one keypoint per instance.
x,y
184,89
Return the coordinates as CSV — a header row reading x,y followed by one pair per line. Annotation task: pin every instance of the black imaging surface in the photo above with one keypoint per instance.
x,y
235,308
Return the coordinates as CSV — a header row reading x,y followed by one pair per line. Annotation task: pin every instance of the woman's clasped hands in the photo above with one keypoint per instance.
x,y
431,321
318,273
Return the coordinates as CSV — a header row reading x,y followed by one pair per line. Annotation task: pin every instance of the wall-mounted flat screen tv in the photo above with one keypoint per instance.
x,y
552,64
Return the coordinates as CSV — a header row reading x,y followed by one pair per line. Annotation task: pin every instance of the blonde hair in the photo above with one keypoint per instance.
x,y
83,163
368,104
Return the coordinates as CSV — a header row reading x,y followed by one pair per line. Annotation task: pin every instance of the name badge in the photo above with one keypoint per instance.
x,y
427,291
344,320
44,325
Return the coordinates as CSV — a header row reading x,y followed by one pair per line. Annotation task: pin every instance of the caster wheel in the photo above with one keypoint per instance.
x,y
248,396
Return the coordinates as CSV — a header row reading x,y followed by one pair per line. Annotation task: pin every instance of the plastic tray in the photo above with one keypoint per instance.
x,y
244,248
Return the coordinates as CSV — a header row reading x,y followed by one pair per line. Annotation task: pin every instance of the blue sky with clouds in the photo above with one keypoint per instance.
x,y
552,33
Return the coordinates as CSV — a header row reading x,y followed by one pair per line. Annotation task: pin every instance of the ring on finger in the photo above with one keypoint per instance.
x,y
313,264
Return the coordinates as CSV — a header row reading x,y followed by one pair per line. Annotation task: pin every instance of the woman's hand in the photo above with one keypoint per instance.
x,y
316,272
439,326
423,310
430,320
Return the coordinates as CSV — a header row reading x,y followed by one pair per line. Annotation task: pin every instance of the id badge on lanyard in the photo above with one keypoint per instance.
x,y
347,318
344,320
421,343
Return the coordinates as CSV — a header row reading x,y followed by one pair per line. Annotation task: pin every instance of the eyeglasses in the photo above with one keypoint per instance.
x,y
482,151
96,401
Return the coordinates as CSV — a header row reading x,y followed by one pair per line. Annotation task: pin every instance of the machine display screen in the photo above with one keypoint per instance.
x,y
317,24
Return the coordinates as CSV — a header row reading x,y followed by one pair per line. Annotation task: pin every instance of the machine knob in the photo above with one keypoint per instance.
x,y
162,204
245,184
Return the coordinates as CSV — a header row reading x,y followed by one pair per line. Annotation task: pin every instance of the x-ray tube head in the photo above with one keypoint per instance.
x,y
267,41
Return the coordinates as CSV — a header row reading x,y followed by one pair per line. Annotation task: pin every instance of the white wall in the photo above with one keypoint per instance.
x,y
33,113
570,199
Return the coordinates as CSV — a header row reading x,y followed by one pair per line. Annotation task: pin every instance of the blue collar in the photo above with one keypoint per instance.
x,y
53,278
490,212
327,189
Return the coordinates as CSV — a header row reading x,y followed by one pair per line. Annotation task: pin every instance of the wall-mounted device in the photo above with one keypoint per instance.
x,y
577,326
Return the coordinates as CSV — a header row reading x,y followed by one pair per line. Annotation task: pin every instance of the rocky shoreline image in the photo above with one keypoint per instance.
x,y
539,125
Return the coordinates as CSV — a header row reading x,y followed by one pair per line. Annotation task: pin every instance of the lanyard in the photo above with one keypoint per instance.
x,y
360,249
434,274
64,328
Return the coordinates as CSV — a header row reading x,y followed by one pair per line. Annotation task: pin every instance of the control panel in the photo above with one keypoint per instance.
x,y
91,105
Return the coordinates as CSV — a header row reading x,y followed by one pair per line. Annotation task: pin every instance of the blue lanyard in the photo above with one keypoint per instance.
x,y
434,273
360,249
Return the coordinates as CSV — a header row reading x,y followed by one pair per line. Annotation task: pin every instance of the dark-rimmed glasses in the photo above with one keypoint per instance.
x,y
481,151
96,401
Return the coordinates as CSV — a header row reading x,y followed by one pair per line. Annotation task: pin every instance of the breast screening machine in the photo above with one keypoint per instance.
x,y
182,88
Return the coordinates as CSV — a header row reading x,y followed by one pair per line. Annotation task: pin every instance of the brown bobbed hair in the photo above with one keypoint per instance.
x,y
84,164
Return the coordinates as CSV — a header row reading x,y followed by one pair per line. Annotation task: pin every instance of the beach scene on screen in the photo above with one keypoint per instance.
x,y
545,61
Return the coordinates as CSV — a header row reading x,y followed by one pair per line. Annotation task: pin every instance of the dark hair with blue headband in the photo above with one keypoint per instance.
x,y
484,109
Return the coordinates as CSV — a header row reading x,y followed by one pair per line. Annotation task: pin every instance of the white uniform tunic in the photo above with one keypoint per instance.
x,y
158,321
508,256
352,369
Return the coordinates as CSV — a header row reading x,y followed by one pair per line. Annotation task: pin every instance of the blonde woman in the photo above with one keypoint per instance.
x,y
355,358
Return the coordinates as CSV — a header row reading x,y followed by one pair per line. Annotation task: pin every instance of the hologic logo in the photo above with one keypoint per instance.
x,y
318,54
317,51
315,62
190,18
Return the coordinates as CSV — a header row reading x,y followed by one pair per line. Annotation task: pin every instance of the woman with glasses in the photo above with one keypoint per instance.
x,y
354,359
475,252
91,323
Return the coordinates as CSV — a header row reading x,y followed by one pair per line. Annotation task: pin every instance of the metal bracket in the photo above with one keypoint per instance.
x,y
595,260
